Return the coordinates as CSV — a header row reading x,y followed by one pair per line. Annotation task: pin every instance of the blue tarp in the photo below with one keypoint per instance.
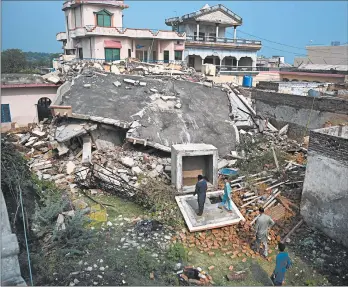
x,y
228,171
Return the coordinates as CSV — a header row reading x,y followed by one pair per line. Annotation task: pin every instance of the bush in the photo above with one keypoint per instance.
x,y
74,238
177,252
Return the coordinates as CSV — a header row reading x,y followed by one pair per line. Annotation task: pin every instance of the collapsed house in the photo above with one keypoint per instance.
x,y
154,112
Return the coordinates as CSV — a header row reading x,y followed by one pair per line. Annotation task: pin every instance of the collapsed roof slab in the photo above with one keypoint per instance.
x,y
212,217
180,112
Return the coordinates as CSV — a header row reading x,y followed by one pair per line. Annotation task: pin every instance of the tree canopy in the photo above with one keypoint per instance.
x,y
17,61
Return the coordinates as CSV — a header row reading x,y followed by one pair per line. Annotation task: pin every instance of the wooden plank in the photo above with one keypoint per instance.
x,y
292,231
192,173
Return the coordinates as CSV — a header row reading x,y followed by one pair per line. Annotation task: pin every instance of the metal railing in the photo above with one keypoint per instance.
x,y
210,39
203,11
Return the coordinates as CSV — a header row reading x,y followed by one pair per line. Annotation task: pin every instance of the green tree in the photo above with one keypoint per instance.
x,y
13,61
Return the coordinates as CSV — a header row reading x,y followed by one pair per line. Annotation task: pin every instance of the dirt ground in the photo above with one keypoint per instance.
x,y
317,260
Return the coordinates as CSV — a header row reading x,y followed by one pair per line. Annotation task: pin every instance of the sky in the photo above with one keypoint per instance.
x,y
286,27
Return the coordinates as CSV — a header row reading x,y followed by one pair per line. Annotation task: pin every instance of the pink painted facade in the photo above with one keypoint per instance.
x,y
23,100
85,39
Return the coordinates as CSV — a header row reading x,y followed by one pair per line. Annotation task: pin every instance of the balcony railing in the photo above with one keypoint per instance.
x,y
200,12
126,32
211,39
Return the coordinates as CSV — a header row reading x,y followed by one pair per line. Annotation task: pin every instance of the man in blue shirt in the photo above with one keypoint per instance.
x,y
283,263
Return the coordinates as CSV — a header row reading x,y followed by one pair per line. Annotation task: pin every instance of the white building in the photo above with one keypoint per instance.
x,y
94,30
206,40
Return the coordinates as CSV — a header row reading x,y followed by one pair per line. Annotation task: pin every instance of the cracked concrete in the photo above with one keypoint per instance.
x,y
181,111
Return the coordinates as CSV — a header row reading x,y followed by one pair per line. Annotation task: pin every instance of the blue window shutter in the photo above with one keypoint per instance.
x,y
5,113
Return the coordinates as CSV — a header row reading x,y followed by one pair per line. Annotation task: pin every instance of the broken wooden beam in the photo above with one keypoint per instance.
x,y
251,201
276,185
249,198
292,231
275,158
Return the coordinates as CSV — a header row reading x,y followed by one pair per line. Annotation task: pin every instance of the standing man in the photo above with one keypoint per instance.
x,y
227,196
283,263
263,223
201,191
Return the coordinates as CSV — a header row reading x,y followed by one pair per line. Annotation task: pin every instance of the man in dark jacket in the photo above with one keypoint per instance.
x,y
201,191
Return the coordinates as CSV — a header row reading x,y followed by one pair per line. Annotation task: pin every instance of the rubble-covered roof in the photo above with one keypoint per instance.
x,y
25,80
164,111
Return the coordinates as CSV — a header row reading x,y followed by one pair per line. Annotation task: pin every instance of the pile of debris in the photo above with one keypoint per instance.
x,y
67,71
191,275
59,153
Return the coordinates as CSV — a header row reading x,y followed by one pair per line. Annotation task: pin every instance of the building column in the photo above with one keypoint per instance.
x,y
159,50
217,32
235,32
197,31
237,63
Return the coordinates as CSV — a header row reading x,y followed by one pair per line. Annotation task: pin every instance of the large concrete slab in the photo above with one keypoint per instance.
x,y
196,114
213,217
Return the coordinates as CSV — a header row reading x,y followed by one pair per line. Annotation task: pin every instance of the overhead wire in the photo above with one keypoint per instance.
x,y
282,44
298,54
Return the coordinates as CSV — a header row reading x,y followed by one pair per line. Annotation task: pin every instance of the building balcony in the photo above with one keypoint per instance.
x,y
207,41
126,32
74,3
61,36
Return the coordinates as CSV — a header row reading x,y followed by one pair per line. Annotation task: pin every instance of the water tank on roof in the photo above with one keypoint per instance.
x,y
247,81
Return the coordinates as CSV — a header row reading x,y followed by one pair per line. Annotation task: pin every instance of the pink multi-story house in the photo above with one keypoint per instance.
x,y
94,30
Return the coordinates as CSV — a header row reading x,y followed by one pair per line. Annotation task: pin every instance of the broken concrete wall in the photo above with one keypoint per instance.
x,y
107,137
325,191
297,88
60,93
296,111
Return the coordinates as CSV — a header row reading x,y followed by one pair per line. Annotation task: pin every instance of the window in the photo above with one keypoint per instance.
x,y
154,58
70,51
178,55
129,53
166,56
112,55
104,18
80,53
5,113
141,55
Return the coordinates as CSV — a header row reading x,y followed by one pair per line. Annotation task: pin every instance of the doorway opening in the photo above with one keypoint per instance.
x,y
43,110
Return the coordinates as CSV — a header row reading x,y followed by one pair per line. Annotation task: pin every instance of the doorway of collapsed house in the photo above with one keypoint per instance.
x,y
192,166
43,110
195,62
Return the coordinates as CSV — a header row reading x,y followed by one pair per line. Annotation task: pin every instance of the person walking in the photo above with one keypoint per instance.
x,y
227,196
201,191
263,223
283,262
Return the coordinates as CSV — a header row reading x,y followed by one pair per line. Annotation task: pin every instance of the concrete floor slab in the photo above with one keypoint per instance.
x,y
160,122
212,217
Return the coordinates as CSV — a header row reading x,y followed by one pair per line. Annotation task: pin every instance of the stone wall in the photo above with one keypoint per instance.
x,y
296,111
325,191
10,272
297,88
